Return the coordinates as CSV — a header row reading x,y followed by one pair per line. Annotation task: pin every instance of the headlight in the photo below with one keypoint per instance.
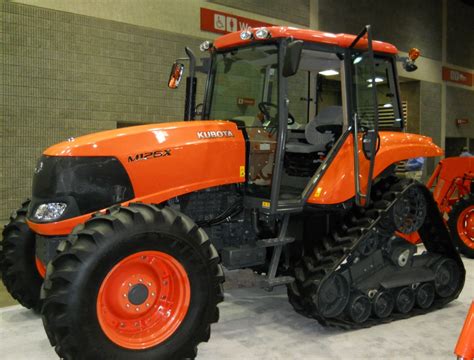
x,y
49,211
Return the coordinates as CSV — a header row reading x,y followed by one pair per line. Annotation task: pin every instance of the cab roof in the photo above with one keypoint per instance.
x,y
342,40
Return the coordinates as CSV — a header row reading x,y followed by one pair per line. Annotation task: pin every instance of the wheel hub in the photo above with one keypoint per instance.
x,y
409,212
143,299
466,224
470,225
138,294
333,295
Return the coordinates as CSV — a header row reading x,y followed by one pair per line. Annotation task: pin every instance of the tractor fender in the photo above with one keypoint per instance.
x,y
337,183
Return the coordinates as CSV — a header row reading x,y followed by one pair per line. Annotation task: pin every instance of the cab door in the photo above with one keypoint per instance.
x,y
364,113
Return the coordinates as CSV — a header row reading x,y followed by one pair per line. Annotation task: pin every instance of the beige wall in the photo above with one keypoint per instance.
x,y
177,16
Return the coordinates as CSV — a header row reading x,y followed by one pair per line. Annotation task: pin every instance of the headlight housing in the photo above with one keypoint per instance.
x,y
49,211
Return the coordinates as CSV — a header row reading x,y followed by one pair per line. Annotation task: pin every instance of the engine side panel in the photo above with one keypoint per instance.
x,y
337,184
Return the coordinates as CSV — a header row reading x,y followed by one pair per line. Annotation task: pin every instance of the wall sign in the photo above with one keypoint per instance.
x,y
245,101
223,23
457,76
462,122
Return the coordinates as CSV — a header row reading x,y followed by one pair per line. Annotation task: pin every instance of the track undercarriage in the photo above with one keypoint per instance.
x,y
365,273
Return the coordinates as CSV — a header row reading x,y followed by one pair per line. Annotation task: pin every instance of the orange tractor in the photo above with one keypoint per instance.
x,y
452,184
123,242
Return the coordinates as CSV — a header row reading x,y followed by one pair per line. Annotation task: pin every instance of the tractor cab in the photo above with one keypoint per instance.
x,y
297,95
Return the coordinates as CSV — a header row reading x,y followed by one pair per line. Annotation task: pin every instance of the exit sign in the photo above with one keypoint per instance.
x,y
457,76
223,23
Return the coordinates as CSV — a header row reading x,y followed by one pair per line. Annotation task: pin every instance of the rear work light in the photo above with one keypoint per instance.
x,y
262,33
246,35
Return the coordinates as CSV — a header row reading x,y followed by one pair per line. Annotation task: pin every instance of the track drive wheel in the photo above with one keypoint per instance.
x,y
461,225
21,271
140,282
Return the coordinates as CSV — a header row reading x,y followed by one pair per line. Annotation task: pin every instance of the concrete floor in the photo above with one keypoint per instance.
x,y
255,324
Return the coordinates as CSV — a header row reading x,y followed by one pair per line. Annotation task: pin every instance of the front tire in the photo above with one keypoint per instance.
x,y
139,282
18,263
461,225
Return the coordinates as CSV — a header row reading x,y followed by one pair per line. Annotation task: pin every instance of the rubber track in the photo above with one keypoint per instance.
x,y
434,234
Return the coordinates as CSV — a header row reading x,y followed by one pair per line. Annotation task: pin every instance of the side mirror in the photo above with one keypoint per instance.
x,y
175,75
291,62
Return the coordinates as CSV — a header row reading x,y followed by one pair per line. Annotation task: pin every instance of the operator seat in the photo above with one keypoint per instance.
x,y
319,132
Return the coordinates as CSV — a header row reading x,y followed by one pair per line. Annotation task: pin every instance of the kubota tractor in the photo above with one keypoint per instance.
x,y
452,184
292,178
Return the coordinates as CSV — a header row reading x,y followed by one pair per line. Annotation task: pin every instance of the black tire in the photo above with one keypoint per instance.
x,y
17,261
454,215
74,277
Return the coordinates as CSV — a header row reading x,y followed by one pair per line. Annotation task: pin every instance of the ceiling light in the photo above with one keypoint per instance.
x,y
357,60
377,80
329,72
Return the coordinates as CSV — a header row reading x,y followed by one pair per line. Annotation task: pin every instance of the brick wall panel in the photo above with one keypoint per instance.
x,y
67,75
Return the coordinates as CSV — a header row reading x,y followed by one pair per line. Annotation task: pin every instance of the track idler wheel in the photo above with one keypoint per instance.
x,y
425,295
447,277
369,244
359,308
409,212
333,296
383,304
405,300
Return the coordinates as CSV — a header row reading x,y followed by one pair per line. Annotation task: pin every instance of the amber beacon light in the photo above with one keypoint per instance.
x,y
414,54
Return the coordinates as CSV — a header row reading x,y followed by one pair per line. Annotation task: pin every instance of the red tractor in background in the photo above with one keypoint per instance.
x,y
452,184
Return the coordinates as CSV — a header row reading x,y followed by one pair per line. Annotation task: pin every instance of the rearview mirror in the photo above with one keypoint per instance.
x,y
291,62
175,75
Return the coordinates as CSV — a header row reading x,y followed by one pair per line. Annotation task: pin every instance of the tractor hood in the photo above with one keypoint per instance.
x,y
167,158
159,161
137,140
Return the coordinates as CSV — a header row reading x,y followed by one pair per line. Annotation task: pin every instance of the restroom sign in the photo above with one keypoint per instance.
x,y
223,23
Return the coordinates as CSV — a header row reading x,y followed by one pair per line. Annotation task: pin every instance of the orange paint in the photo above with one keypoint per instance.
x,y
40,267
337,184
413,238
465,346
451,180
314,36
203,154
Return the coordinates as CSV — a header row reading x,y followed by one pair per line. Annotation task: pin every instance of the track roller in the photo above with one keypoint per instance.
x,y
359,308
405,300
383,304
447,277
425,295
333,295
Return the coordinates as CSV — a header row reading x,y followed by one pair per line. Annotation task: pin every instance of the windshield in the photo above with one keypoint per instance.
x,y
389,114
242,79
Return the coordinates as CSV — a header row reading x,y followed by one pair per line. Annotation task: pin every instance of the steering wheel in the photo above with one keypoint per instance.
x,y
264,108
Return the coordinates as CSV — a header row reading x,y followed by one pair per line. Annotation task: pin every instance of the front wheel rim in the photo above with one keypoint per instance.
x,y
465,226
143,300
